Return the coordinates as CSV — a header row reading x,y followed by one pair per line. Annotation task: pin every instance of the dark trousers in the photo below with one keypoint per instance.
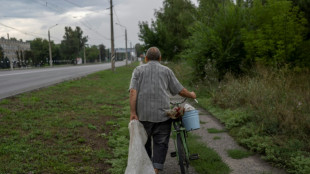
x,y
160,133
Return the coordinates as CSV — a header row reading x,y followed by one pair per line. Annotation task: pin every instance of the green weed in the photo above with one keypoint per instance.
x,y
209,161
216,138
203,122
214,130
238,154
92,127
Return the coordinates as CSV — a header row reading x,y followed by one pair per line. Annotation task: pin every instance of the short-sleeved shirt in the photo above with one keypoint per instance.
x,y
154,84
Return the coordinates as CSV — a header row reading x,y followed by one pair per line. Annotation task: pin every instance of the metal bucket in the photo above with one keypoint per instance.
x,y
190,120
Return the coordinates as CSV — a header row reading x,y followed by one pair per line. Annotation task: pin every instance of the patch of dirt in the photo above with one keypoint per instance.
x,y
95,141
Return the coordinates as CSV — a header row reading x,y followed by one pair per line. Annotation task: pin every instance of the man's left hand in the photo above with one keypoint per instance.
x,y
134,117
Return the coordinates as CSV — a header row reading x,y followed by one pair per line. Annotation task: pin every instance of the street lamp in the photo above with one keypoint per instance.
x,y
49,43
85,53
125,41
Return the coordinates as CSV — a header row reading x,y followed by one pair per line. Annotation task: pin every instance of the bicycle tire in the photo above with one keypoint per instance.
x,y
181,155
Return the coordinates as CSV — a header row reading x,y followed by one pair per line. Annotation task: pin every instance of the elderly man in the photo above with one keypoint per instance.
x,y
150,89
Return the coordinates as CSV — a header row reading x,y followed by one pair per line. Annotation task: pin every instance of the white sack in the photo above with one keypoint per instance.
x,y
138,159
188,107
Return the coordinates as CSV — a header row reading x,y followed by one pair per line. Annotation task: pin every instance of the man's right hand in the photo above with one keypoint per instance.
x,y
133,117
193,94
185,93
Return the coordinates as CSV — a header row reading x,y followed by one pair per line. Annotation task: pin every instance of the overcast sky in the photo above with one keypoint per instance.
x,y
28,19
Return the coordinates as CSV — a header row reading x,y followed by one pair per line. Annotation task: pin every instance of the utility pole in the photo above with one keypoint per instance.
x,y
112,38
49,44
99,54
131,52
126,46
84,55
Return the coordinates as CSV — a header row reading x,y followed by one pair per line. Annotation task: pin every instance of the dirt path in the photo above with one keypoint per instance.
x,y
251,165
171,164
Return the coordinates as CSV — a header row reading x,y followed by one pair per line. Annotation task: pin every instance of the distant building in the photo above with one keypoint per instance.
x,y
14,49
120,53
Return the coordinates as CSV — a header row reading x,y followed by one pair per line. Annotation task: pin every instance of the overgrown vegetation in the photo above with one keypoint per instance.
x,y
266,112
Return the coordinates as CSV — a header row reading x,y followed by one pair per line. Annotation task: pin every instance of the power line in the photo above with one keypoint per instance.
x,y
55,7
77,5
116,16
85,24
26,33
73,3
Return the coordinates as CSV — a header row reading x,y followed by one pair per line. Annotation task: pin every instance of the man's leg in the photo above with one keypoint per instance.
x,y
161,135
148,145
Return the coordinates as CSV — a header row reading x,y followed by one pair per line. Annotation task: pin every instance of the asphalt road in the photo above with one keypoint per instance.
x,y
19,81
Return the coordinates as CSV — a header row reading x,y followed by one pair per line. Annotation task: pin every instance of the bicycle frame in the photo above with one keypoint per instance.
x,y
180,142
181,131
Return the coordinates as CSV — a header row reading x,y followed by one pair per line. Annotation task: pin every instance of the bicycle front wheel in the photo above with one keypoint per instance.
x,y
183,162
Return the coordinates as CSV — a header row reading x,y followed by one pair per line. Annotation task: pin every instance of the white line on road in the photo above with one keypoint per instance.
x,y
46,70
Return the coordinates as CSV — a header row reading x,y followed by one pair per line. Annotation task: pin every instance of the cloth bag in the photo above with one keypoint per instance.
x,y
138,159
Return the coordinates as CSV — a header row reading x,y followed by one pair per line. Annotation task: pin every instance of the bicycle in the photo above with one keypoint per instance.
x,y
182,151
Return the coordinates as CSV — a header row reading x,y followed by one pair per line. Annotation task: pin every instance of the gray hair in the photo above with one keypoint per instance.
x,y
153,53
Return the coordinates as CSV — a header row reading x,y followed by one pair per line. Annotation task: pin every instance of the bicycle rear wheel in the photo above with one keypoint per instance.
x,y
183,162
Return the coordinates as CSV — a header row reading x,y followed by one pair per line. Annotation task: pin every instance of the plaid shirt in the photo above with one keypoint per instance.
x,y
154,84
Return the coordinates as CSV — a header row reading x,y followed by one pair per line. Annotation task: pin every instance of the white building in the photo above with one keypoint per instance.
x,y
14,49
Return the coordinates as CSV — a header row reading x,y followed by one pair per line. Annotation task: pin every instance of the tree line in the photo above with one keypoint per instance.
x,y
70,48
231,36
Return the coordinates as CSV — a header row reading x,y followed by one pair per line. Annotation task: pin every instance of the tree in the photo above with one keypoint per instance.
x,y
40,51
278,29
92,53
2,61
1,53
28,57
72,45
215,42
56,53
169,30
139,49
102,52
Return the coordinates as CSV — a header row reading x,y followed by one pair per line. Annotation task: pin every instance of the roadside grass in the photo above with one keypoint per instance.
x,y
209,161
238,154
266,111
64,128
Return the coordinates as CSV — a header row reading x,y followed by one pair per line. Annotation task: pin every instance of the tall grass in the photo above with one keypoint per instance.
x,y
267,111
279,98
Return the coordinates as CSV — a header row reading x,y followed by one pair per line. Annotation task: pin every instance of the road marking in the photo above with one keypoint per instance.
x,y
46,70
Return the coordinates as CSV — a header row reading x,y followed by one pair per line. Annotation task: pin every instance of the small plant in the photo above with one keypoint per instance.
x,y
203,122
238,154
214,130
110,122
92,127
102,154
81,140
216,138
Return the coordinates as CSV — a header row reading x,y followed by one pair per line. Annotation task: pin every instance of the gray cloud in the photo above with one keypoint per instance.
x,y
34,17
